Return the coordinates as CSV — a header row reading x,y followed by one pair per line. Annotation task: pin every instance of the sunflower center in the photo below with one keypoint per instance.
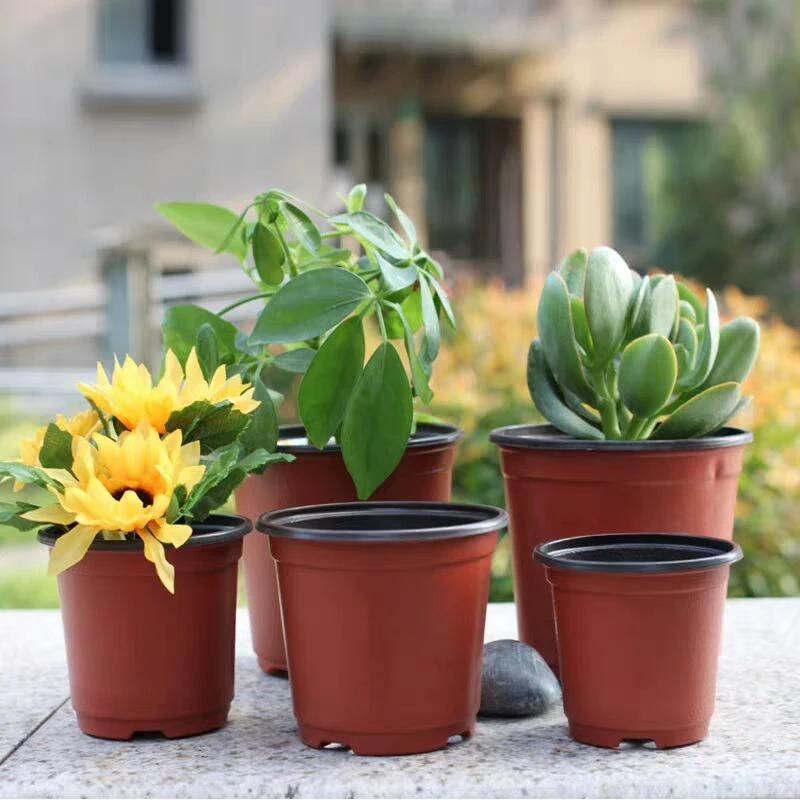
x,y
144,496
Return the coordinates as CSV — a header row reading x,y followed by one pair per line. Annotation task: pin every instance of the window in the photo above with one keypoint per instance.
x,y
142,31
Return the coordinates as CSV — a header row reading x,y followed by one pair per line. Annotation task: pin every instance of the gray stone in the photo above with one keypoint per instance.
x,y
516,681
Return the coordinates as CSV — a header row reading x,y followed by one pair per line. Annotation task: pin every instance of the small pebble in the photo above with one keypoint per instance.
x,y
517,682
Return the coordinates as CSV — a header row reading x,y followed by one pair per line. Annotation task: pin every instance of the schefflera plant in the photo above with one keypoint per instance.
x,y
317,297
621,356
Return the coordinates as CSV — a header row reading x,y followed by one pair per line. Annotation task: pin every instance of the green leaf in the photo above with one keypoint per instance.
x,y
28,475
707,346
396,278
607,295
573,270
688,296
261,432
580,325
444,302
547,398
378,421
268,255
738,349
412,311
56,450
207,351
308,305
687,336
326,256
430,322
703,414
296,360
330,380
303,228
403,218
206,224
213,425
687,311
11,516
556,333
418,373
355,199
375,231
638,319
663,310
648,370
182,324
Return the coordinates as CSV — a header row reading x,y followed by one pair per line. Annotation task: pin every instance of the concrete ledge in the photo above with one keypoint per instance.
x,y
752,751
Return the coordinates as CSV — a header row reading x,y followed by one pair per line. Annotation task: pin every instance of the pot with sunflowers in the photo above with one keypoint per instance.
x,y
146,573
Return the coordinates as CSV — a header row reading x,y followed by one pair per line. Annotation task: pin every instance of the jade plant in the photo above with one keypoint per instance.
x,y
621,356
320,282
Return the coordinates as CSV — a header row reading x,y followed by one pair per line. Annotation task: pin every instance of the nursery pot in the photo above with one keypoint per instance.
x,y
320,476
557,486
384,606
141,659
639,621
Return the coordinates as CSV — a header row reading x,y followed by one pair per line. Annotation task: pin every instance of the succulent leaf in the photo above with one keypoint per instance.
x,y
687,310
647,374
573,270
687,336
738,347
708,344
663,309
702,414
545,394
582,334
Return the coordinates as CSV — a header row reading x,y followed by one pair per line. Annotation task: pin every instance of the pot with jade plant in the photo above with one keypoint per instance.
x,y
638,379
358,438
384,605
146,573
639,620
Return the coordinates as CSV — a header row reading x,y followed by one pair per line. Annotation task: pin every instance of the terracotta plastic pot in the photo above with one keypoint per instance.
x,y
425,473
557,486
639,621
384,606
141,659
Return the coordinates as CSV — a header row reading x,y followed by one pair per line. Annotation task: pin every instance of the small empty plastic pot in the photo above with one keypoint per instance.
x,y
638,621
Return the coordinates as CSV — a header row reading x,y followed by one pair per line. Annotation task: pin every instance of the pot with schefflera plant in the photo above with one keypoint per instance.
x,y
146,572
358,438
638,380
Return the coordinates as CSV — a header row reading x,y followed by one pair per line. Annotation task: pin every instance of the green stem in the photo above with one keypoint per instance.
x,y
238,303
635,427
607,406
381,323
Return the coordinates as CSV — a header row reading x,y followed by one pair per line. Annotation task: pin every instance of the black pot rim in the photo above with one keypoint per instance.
x,y
297,523
548,437
689,553
292,438
215,529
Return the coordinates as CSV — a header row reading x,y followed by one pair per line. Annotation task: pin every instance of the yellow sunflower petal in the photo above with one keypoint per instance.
x,y
154,551
173,371
70,548
173,534
55,513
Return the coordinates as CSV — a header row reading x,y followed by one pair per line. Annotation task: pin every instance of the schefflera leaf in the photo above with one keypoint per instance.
x,y
647,373
557,335
548,399
607,296
703,414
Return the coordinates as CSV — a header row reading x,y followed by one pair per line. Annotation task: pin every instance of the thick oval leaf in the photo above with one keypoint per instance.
x,y
703,414
395,278
663,311
296,360
547,398
607,296
648,370
308,305
708,345
403,218
375,231
206,224
640,310
303,228
430,322
182,324
580,325
738,348
573,270
687,336
687,311
688,296
268,255
262,430
330,379
557,335
378,421
207,350
355,199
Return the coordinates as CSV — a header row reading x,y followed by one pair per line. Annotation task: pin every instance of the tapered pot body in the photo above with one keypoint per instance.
x,y
384,609
424,473
141,659
639,622
557,486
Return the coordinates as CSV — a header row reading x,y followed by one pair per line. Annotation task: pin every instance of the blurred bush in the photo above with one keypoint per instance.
x,y
480,384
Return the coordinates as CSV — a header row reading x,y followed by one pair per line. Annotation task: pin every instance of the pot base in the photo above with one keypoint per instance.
x,y
613,738
169,728
386,744
271,667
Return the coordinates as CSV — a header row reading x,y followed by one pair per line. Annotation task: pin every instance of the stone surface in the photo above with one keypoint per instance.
x,y
517,682
752,749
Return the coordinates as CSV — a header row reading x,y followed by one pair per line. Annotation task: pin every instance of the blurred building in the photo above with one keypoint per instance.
x,y
513,130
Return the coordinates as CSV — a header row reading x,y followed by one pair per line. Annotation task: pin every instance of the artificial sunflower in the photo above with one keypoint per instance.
x,y
120,487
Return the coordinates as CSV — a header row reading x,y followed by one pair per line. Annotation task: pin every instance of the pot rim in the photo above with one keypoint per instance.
x,y
292,438
297,523
689,552
547,437
215,529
